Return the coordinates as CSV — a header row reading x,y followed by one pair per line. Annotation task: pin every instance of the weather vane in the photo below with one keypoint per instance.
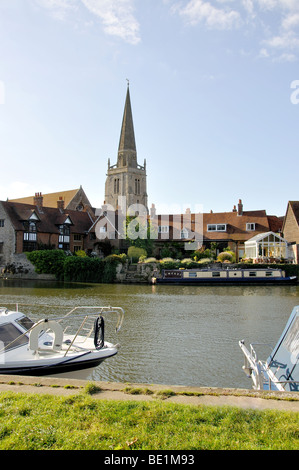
x,y
128,81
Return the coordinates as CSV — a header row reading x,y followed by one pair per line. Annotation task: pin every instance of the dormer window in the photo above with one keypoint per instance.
x,y
250,227
184,234
216,227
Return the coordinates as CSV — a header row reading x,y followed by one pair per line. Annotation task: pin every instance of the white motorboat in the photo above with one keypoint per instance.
x,y
280,371
55,344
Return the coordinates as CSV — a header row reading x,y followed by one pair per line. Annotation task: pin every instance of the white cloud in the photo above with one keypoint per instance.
x,y
117,16
199,11
291,21
275,22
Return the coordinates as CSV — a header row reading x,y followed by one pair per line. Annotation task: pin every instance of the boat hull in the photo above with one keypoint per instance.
x,y
256,281
57,368
224,277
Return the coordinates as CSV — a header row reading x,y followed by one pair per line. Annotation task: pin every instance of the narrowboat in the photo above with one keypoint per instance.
x,y
224,276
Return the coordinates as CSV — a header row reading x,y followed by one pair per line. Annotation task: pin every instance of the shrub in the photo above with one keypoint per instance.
x,y
117,258
75,268
48,261
169,263
226,256
150,260
85,269
135,252
80,253
205,260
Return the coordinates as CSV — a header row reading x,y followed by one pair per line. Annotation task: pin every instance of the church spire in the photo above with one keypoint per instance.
x,y
127,154
127,178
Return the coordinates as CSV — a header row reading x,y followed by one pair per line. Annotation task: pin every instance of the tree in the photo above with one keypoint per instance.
x,y
139,233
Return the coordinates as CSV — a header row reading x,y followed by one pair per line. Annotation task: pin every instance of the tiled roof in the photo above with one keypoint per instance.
x,y
295,208
50,200
49,217
235,224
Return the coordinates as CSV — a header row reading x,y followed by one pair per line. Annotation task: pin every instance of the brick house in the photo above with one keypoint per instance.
x,y
290,228
28,227
225,228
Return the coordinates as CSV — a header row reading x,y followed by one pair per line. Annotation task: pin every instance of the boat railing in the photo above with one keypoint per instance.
x,y
87,323
253,351
100,311
283,383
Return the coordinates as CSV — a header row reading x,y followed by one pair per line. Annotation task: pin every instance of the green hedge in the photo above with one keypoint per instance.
x,y
48,262
75,268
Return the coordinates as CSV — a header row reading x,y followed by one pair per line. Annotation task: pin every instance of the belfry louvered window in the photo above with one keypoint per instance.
x,y
116,186
137,186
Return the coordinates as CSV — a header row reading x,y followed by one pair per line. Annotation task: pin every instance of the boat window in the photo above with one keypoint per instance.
x,y
192,274
215,274
25,322
269,273
9,333
173,274
252,273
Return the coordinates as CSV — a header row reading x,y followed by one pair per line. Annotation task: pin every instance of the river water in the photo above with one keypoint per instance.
x,y
175,335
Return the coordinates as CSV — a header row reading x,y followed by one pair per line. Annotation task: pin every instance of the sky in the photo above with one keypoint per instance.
x,y
214,90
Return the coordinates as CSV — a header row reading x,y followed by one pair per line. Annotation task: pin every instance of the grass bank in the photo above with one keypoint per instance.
x,y
78,422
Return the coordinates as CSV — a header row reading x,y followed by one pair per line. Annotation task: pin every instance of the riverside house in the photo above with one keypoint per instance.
x,y
290,228
227,229
28,227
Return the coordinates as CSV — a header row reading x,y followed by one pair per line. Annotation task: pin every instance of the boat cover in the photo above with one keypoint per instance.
x,y
283,360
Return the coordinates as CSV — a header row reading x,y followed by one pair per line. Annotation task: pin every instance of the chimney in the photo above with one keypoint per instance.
x,y
153,211
38,201
60,203
188,211
235,209
240,207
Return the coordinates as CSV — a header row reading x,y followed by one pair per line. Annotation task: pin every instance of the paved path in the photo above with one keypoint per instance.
x,y
175,394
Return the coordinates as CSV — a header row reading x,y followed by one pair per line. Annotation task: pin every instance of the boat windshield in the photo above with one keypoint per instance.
x,y
11,337
25,322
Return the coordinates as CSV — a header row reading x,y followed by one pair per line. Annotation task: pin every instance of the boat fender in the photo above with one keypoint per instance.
x,y
99,332
44,325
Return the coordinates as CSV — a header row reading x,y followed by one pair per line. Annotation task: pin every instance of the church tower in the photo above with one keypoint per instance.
x,y
127,178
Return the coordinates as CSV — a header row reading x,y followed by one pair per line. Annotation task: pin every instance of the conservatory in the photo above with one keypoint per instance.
x,y
267,247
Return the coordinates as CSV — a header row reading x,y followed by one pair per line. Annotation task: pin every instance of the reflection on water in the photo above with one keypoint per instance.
x,y
183,335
